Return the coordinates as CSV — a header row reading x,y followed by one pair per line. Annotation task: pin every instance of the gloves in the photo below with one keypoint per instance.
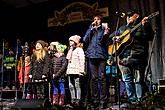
x,y
30,76
55,76
43,76
82,73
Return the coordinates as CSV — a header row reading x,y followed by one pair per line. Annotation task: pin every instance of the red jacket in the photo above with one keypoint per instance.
x,y
27,70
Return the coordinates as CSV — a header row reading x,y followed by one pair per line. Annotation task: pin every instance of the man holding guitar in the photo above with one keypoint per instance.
x,y
131,47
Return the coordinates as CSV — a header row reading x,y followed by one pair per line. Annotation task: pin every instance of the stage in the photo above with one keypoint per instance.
x,y
154,101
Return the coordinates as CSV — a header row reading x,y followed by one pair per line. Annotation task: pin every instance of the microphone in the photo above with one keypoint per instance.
x,y
26,44
93,24
26,47
120,14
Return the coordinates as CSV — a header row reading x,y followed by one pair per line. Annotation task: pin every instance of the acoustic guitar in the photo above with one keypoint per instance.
x,y
125,39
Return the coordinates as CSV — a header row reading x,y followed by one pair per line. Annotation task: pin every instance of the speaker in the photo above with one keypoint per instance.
x,y
37,104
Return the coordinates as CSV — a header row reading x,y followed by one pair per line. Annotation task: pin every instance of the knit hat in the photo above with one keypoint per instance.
x,y
75,38
61,47
43,43
54,43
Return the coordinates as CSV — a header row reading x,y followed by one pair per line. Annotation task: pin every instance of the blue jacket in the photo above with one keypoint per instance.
x,y
95,41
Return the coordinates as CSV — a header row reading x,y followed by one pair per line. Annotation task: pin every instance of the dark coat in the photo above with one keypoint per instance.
x,y
137,51
39,68
95,42
58,67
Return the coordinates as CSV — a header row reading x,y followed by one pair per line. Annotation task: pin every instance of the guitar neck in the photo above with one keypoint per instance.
x,y
149,17
138,25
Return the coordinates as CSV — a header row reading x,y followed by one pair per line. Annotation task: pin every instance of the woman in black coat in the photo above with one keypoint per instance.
x,y
40,67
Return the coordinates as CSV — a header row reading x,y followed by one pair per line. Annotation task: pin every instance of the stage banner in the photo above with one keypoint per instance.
x,y
76,12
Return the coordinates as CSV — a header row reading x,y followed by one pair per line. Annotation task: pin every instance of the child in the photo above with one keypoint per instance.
x,y
76,68
53,48
24,75
58,68
39,70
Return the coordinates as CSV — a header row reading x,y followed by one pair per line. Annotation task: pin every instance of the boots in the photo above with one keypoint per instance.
x,y
34,96
55,99
24,95
29,96
72,102
61,100
77,102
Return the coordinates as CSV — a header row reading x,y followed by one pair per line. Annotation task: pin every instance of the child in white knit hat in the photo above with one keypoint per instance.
x,y
52,49
76,68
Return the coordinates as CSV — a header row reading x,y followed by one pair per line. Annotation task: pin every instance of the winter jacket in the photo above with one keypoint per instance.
x,y
95,42
39,68
58,67
9,62
26,74
76,65
137,49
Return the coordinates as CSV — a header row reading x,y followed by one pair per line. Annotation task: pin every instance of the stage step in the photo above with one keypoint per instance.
x,y
161,86
161,81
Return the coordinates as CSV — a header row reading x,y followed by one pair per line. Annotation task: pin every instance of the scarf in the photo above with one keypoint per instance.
x,y
69,54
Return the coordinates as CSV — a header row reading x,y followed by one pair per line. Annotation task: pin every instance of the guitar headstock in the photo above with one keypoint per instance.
x,y
153,14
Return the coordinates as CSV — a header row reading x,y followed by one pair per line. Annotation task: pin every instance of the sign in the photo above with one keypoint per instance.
x,y
76,12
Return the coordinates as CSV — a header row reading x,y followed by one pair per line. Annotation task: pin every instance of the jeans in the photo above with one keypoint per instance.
x,y
58,88
97,70
132,79
138,84
74,86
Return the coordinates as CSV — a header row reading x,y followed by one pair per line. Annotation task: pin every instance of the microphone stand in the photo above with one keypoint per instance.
x,y
25,51
116,62
16,61
2,71
148,63
23,73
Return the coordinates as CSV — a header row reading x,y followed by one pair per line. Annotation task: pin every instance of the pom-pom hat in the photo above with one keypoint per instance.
x,y
75,38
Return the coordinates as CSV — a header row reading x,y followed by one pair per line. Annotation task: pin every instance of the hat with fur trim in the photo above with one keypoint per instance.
x,y
75,38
